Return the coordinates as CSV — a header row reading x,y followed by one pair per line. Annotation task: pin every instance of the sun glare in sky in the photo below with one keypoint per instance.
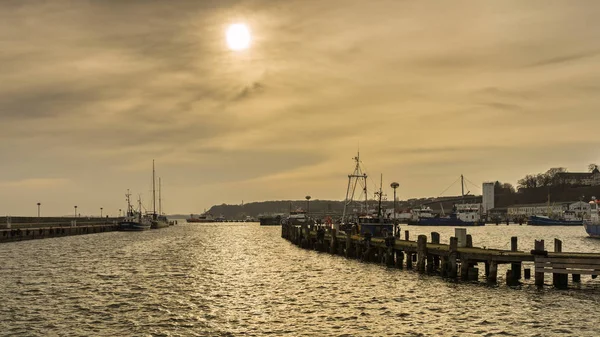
x,y
238,36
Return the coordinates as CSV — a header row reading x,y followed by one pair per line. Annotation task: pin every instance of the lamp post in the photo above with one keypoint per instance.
x,y
307,205
101,211
75,211
38,205
394,185
119,212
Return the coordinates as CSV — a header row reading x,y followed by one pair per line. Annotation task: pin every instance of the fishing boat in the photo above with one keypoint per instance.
x,y
296,218
202,218
592,225
134,220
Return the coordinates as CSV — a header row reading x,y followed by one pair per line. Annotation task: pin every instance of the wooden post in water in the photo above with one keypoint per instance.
x,y
492,275
421,252
469,241
399,259
515,266
435,238
576,278
452,256
560,281
333,243
349,244
409,261
406,235
539,276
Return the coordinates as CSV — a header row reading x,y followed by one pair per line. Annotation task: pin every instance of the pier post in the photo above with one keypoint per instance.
x,y
539,276
560,281
515,266
576,278
473,274
527,273
406,235
469,241
349,244
464,269
421,252
435,238
409,261
399,259
492,275
453,272
333,243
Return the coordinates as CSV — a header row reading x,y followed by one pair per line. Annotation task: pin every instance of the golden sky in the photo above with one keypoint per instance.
x,y
92,91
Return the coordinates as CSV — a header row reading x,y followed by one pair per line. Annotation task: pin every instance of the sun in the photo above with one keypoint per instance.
x,y
238,36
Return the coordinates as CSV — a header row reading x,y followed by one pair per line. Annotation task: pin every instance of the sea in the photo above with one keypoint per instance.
x,y
241,279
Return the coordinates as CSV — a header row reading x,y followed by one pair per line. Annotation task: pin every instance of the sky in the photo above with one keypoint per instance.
x,y
92,91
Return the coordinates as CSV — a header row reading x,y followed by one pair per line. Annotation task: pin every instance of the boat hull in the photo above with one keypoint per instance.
x,y
539,221
270,221
199,220
159,224
592,230
452,222
133,226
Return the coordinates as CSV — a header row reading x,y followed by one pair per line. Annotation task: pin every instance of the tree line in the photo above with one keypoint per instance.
x,y
549,178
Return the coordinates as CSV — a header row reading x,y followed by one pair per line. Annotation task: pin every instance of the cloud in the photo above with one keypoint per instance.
x,y
35,183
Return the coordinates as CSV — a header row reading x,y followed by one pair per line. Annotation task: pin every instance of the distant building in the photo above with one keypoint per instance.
x,y
488,197
525,210
579,178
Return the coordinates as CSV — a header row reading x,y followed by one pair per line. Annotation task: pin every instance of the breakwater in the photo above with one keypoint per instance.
x,y
20,234
457,260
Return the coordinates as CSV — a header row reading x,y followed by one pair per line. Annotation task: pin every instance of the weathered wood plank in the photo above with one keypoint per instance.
x,y
567,265
567,271
594,261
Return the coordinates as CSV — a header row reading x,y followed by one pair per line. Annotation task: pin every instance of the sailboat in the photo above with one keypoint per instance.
x,y
158,220
134,221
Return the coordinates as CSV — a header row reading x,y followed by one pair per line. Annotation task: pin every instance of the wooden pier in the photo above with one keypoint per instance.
x,y
456,260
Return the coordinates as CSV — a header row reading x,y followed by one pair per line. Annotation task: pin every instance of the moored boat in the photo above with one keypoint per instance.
x,y
462,215
202,218
270,219
134,220
540,220
592,225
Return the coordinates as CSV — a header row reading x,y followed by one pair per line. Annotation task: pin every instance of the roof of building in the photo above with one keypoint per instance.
x,y
577,175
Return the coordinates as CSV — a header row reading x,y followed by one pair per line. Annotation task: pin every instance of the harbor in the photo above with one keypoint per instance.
x,y
244,279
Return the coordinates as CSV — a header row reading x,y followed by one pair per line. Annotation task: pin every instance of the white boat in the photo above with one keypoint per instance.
x,y
297,217
592,224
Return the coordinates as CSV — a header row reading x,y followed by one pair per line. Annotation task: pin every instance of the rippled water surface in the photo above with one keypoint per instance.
x,y
243,279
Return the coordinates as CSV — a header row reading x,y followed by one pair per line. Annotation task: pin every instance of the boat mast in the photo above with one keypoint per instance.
x,y
159,197
153,191
380,194
357,177
129,208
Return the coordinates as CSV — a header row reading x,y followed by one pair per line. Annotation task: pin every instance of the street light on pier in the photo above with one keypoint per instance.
x,y
39,204
394,185
75,211
119,212
101,211
307,205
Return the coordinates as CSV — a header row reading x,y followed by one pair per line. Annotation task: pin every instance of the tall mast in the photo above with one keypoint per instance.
x,y
153,191
462,186
358,177
129,208
159,197
380,195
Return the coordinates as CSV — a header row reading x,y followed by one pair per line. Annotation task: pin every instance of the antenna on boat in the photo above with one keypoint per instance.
x,y
129,210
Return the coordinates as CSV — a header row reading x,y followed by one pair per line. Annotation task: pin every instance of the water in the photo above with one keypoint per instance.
x,y
244,280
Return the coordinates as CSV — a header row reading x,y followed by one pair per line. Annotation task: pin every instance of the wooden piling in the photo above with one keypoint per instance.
x,y
539,276
421,252
452,256
527,273
349,252
559,281
492,275
469,241
473,274
399,259
515,266
406,235
576,278
409,260
435,238
333,242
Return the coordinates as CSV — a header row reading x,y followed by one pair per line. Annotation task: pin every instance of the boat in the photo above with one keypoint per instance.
x,y
462,215
592,224
296,218
270,219
568,219
202,218
134,220
158,220
220,218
